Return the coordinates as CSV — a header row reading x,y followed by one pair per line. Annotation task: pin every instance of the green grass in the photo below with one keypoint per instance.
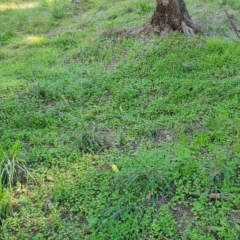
x,y
165,111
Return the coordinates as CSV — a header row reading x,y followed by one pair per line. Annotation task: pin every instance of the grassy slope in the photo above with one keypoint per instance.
x,y
166,112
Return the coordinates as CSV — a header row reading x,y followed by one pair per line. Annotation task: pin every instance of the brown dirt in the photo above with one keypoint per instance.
x,y
183,216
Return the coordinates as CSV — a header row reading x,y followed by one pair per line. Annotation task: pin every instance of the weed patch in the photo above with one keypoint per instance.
x,y
127,138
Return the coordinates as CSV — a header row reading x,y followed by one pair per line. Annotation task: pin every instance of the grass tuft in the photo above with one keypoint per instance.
x,y
12,168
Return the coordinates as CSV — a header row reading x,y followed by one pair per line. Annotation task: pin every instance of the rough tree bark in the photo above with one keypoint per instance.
x,y
170,15
173,15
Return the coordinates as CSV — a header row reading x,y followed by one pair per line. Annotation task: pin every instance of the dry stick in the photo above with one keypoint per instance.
x,y
233,25
212,196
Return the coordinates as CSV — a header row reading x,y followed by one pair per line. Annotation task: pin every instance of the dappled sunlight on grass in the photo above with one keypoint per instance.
x,y
9,86
13,5
33,40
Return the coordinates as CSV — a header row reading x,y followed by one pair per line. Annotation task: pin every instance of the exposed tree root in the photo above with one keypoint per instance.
x,y
186,29
147,29
144,30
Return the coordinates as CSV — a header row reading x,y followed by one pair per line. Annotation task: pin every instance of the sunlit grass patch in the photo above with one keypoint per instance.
x,y
9,87
34,40
18,6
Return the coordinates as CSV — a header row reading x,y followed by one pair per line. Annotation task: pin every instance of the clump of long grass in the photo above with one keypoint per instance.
x,y
13,169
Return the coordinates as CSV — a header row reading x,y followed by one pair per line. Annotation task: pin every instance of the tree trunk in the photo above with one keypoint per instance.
x,y
169,15
173,15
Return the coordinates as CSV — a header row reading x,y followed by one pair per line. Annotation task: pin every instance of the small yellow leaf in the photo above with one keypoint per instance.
x,y
149,196
115,168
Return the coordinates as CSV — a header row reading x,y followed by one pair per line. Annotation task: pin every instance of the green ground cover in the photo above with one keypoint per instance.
x,y
166,112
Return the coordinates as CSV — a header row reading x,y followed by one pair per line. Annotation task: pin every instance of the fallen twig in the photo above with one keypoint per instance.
x,y
232,23
234,26
211,196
